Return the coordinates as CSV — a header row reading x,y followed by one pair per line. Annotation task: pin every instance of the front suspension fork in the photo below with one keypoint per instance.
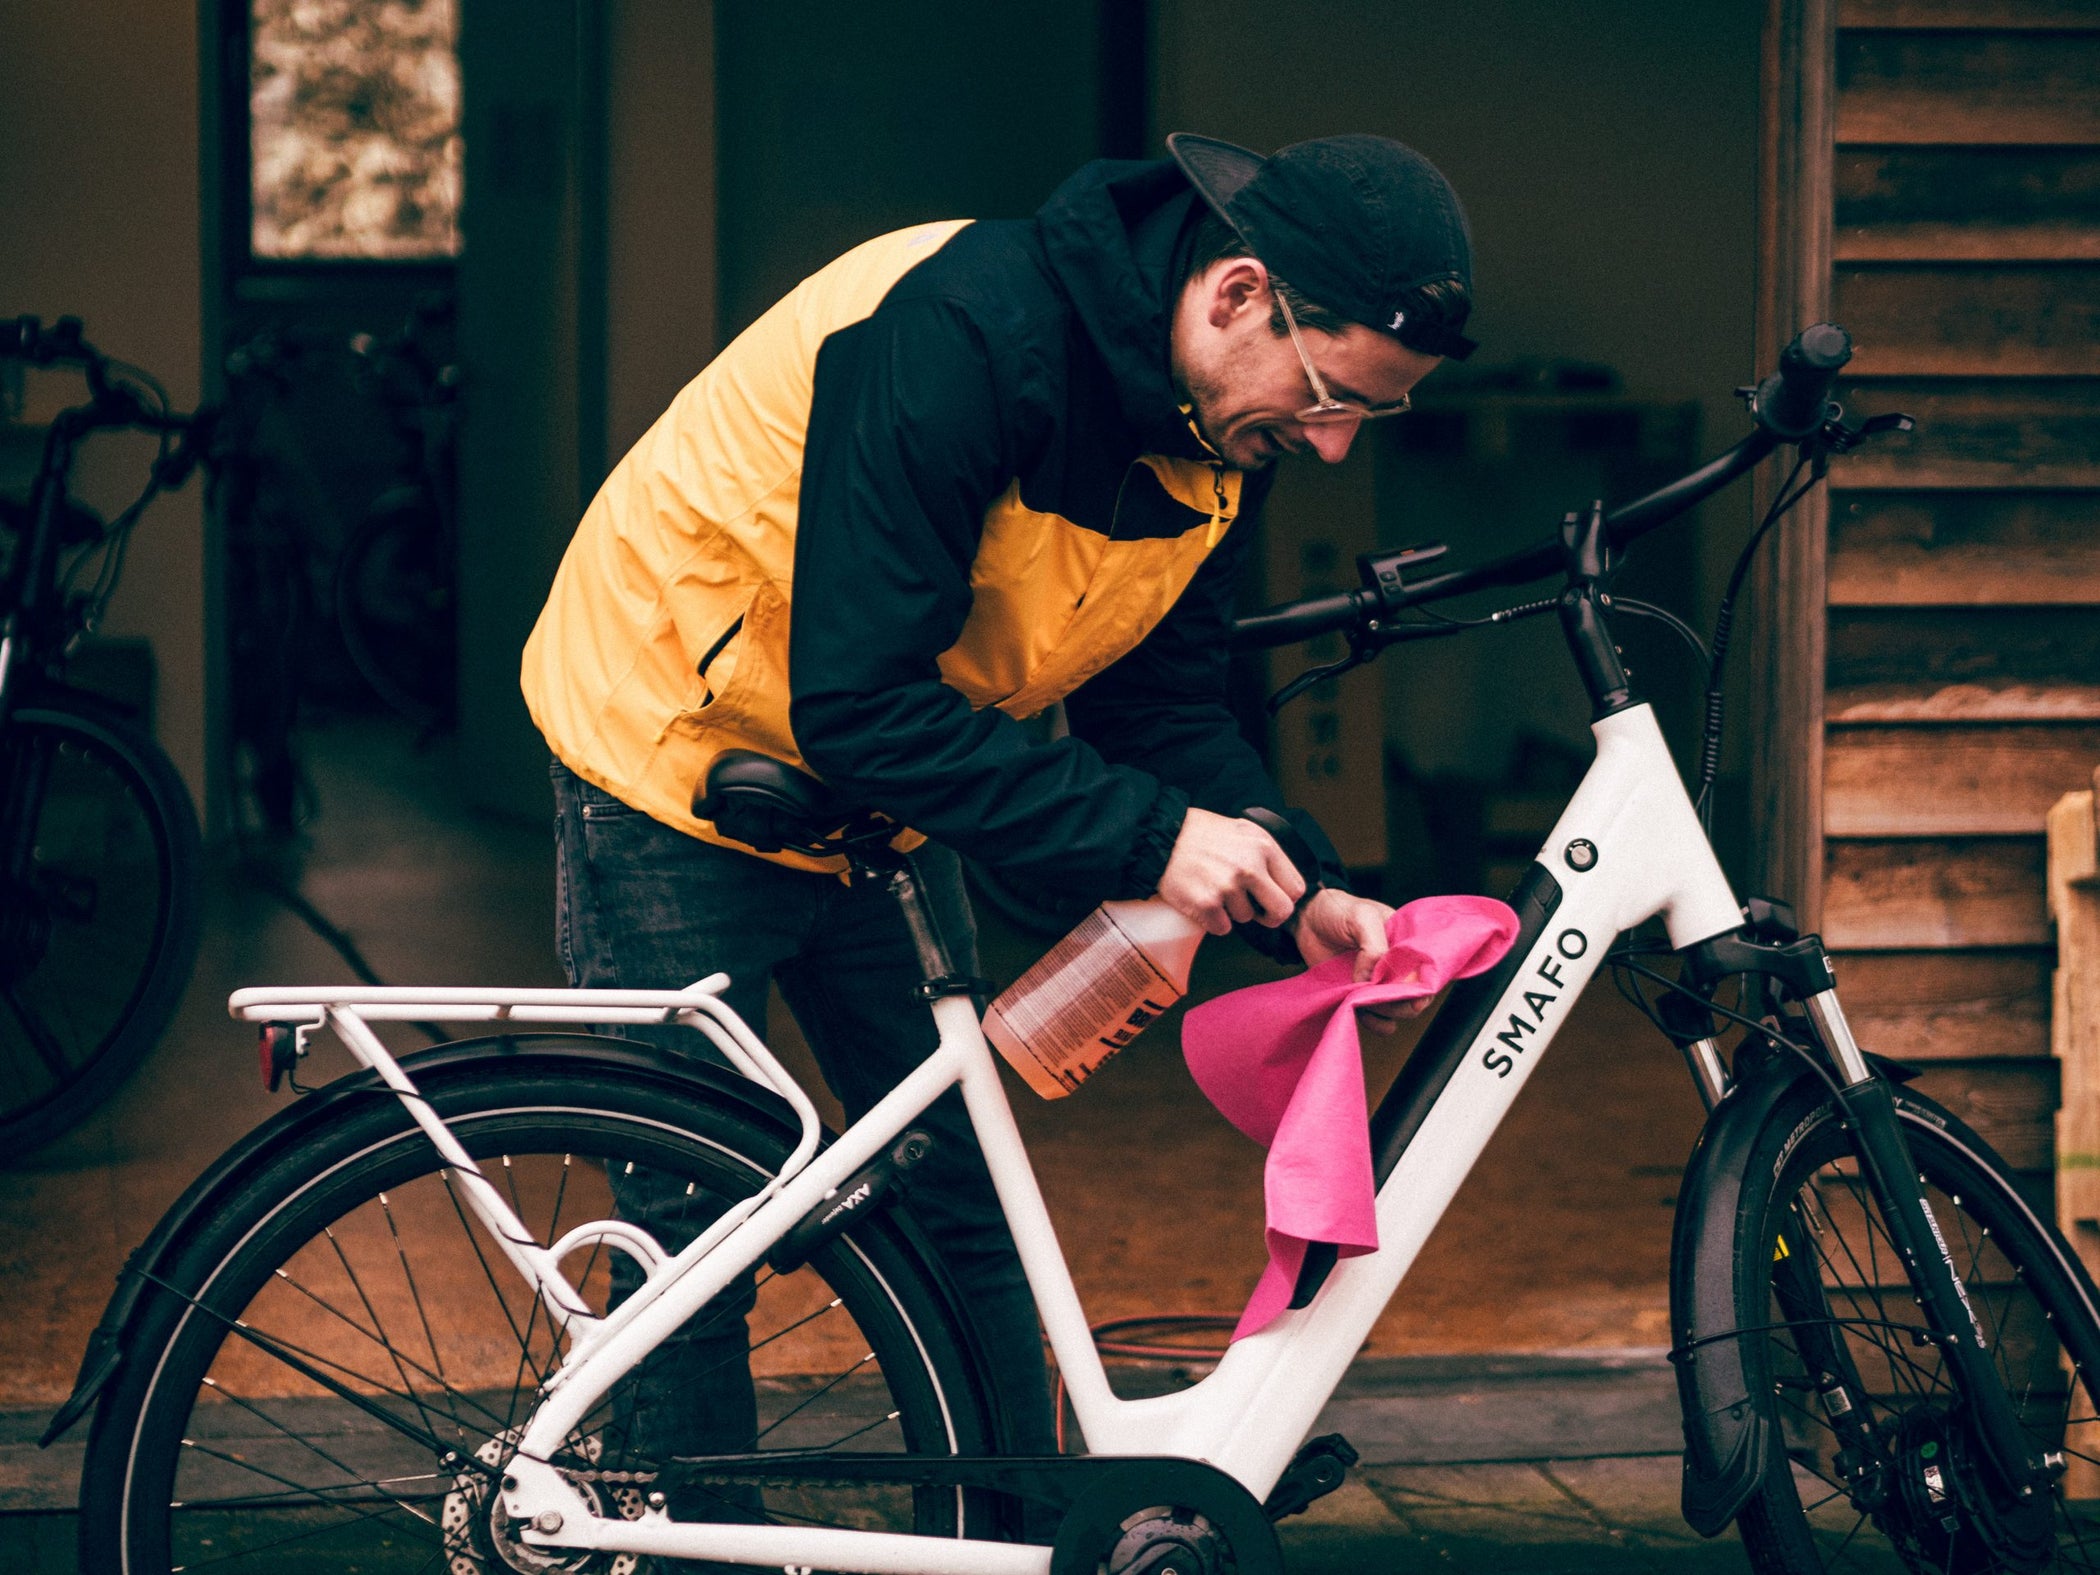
x,y
1892,1177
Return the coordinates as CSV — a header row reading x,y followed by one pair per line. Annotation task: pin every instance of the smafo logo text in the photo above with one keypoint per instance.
x,y
1550,968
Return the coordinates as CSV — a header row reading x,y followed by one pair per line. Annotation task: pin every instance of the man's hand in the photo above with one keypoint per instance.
x,y
1226,871
1335,922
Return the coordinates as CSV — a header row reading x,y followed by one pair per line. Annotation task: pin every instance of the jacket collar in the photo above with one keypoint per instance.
x,y
1117,236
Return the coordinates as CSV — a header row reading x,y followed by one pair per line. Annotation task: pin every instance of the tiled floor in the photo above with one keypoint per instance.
x,y
1558,1242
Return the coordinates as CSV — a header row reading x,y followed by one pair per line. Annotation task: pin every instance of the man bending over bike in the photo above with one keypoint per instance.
x,y
962,473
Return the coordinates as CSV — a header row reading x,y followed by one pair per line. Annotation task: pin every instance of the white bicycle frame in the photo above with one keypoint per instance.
x,y
1647,856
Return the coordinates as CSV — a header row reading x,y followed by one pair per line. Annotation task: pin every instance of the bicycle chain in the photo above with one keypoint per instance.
x,y
609,1478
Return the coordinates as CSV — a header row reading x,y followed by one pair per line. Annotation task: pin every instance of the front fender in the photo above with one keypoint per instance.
x,y
1727,1439
290,1126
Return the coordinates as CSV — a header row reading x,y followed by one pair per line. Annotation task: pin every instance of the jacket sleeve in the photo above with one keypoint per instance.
x,y
1164,708
908,444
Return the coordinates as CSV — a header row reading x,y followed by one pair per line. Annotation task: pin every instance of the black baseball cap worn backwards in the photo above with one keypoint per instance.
x,y
1355,223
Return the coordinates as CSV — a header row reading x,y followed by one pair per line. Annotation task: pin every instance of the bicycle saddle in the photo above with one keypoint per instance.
x,y
767,804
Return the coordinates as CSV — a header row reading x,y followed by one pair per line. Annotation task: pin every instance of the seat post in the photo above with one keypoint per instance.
x,y
934,960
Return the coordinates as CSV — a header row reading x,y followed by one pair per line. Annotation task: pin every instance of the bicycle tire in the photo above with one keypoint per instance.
x,y
1933,1505
205,1437
100,911
396,607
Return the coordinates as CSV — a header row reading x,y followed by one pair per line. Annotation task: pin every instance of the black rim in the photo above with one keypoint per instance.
x,y
385,1361
89,902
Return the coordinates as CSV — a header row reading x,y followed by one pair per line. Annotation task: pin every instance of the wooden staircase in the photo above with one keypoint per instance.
x,y
1960,572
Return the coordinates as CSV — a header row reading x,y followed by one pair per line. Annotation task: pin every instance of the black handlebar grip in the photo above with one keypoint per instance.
x,y
1791,402
1292,841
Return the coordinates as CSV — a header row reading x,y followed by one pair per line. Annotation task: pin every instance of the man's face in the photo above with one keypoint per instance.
x,y
1246,384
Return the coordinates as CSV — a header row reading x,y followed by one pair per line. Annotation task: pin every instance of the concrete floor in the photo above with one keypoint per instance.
x,y
1557,1247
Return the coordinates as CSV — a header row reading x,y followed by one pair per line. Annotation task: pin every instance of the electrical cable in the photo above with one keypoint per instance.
x,y
1670,620
1724,624
1807,1056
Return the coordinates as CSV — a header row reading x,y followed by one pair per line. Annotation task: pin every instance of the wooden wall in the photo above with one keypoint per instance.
x,y
1961,566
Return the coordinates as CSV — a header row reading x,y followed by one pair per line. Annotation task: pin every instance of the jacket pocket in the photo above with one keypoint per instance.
x,y
717,666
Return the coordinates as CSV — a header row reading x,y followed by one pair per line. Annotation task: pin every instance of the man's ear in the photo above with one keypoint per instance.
x,y
1236,286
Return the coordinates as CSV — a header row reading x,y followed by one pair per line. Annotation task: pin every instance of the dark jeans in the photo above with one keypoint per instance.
x,y
641,906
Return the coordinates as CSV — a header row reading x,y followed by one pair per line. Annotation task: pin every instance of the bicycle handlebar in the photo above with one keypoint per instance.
x,y
1808,368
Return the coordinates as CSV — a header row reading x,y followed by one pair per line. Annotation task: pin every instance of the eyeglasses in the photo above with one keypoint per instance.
x,y
1326,408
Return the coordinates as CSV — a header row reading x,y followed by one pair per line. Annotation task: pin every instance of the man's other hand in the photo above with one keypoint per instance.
x,y
1335,922
1226,871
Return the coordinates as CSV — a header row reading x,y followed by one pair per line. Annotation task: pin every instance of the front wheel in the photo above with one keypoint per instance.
x,y
100,911
349,1255
1880,1468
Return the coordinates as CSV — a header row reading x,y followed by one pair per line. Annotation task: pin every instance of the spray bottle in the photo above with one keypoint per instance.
x,y
1098,988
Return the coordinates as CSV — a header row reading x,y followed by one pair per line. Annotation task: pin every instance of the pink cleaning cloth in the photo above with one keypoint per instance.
x,y
1283,1063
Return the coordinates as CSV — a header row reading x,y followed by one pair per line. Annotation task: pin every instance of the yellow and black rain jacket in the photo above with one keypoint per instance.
x,y
940,486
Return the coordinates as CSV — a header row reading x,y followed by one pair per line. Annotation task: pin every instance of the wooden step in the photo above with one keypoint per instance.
x,y
1951,204
2004,433
1961,779
1936,240
1966,703
1897,894
2010,14
1953,548
1963,664
1971,319
1952,86
1948,1005
2011,1105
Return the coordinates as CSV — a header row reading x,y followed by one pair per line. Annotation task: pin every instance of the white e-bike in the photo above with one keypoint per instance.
x,y
386,1328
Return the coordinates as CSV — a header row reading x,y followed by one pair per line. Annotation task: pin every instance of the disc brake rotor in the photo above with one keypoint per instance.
x,y
480,1540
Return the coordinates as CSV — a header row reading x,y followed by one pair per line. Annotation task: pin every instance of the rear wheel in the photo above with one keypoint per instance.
x,y
355,1257
99,912
1880,1469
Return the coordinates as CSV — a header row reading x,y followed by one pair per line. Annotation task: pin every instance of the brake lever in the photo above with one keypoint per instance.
x,y
1365,644
1357,657
1841,437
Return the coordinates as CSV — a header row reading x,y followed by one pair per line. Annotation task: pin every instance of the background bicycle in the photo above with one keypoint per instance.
x,y
100,884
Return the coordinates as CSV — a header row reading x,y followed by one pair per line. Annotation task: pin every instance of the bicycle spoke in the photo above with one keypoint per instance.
x,y
415,1292
281,1542
372,1312
848,1438
318,1495
277,1500
820,1394
40,1038
487,1273
304,1443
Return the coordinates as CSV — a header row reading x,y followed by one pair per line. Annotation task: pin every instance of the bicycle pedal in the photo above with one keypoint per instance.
x,y
1319,1467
